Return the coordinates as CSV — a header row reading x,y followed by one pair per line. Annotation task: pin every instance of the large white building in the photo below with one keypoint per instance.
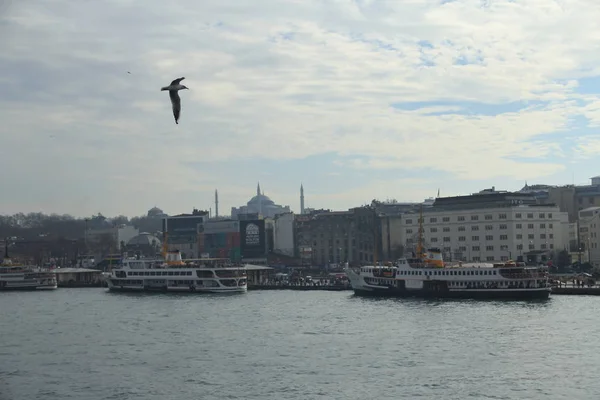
x,y
283,234
589,230
488,227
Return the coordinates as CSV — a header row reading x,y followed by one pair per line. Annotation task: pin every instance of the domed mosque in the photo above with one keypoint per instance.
x,y
260,204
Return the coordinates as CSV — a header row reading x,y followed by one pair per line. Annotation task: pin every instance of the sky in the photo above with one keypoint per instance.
x,y
357,100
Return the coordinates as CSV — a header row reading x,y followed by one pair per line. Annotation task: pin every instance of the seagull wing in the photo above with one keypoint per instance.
x,y
176,81
176,102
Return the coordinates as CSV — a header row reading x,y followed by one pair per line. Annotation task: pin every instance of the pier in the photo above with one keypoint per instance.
x,y
331,288
582,291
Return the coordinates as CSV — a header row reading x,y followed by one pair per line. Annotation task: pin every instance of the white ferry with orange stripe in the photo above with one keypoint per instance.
x,y
429,276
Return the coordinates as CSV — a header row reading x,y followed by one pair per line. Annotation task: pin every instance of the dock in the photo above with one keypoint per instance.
x,y
582,291
299,287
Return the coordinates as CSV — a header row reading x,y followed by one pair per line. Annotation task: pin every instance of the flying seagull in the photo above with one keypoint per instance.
x,y
175,100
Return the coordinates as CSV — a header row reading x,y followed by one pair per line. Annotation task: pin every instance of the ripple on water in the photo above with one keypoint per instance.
x,y
90,344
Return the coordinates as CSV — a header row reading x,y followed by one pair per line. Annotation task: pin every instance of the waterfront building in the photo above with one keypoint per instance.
x,y
488,226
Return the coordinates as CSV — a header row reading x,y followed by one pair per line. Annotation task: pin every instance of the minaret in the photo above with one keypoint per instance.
x,y
301,199
259,199
216,203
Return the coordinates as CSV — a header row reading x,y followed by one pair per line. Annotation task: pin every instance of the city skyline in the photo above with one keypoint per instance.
x,y
355,100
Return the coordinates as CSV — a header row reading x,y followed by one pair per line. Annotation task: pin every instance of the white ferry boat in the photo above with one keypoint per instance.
x,y
429,277
20,277
172,274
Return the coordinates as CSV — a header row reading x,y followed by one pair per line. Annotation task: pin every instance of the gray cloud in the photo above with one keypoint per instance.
x,y
280,80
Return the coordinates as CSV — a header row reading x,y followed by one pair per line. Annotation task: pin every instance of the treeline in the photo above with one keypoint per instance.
x,y
34,225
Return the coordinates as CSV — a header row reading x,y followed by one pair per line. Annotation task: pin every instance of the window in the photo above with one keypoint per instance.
x,y
409,231
446,219
503,226
489,227
542,215
519,247
489,237
474,238
503,237
551,235
529,226
488,217
530,236
531,247
489,258
461,228
446,229
474,217
519,226
475,248
502,216
409,221
543,246
462,248
550,226
542,236
474,228
432,220
432,229
447,239
543,226
489,248
462,238
518,215
519,236
461,218
549,215
433,240
530,215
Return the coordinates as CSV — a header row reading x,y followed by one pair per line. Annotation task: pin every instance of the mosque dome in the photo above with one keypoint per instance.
x,y
261,199
144,239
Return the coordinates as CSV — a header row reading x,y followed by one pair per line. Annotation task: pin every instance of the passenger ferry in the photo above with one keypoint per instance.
x,y
21,277
172,274
427,275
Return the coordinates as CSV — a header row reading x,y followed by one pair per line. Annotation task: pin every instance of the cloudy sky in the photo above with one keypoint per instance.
x,y
356,99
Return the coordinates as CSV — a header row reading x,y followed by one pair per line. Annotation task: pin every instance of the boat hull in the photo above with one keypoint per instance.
x,y
178,290
17,288
481,294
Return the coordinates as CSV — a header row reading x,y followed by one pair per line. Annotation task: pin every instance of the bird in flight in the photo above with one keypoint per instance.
x,y
173,88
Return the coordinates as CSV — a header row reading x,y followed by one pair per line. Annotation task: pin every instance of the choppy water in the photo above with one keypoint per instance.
x,y
91,344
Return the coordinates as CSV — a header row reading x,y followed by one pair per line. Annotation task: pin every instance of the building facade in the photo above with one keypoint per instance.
x,y
588,249
283,234
180,232
487,227
110,239
220,239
